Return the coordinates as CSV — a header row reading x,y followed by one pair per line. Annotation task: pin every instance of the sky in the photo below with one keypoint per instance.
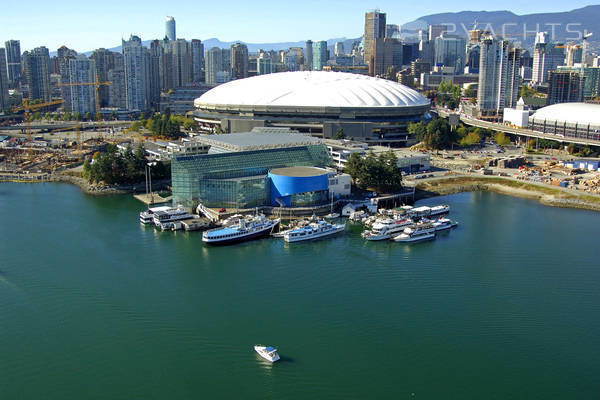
x,y
86,25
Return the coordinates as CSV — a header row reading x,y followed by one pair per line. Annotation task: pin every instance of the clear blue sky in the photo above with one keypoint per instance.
x,y
85,25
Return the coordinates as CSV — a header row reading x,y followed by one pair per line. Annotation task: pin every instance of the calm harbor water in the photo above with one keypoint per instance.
x,y
95,306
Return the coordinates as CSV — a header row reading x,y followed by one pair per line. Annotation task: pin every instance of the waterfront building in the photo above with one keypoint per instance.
x,y
450,51
499,79
374,29
235,171
239,61
318,103
170,28
36,68
13,61
565,87
308,55
137,66
83,98
319,55
3,81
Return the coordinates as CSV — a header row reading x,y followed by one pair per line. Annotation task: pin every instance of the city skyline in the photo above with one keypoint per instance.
x,y
86,27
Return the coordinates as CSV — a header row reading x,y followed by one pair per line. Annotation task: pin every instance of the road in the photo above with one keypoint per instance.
x,y
516,131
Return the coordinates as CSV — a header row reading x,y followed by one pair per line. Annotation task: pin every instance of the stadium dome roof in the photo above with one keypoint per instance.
x,y
580,113
313,89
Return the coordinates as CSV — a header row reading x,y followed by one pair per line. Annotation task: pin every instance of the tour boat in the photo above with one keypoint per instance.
x,y
246,229
443,224
313,231
438,210
147,217
384,229
164,218
267,352
416,234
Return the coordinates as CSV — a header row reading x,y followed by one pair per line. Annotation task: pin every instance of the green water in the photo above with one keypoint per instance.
x,y
95,306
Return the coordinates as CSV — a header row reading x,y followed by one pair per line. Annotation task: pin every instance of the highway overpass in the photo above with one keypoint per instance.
x,y
528,133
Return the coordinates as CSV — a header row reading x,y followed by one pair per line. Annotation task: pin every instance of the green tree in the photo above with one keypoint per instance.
x,y
439,135
67,116
418,129
471,139
113,115
339,134
470,91
501,139
88,116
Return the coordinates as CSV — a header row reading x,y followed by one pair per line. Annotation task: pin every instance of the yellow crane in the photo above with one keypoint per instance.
x,y
97,85
28,107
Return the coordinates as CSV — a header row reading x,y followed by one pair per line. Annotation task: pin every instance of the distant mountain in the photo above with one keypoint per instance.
x,y
252,47
565,24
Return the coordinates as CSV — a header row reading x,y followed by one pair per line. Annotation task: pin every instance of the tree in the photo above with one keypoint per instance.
x,y
67,116
417,129
439,135
113,115
470,91
339,134
471,139
379,172
88,116
77,116
501,139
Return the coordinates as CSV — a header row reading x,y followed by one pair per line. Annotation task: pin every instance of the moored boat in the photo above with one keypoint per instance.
x,y
313,230
147,217
246,229
416,233
385,229
444,223
164,219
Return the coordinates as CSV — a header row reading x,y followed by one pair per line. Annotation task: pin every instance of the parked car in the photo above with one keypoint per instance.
x,y
222,210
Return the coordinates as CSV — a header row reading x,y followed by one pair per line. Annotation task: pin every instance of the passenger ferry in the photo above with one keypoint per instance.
x,y
443,224
384,229
147,217
416,234
267,352
246,229
441,209
164,219
314,230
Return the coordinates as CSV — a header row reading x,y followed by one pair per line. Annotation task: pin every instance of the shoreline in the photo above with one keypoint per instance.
x,y
104,190
546,195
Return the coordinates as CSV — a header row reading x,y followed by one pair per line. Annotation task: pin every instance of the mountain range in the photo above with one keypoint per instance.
x,y
566,26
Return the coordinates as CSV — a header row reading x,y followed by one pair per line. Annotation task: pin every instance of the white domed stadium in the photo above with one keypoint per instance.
x,y
320,103
580,120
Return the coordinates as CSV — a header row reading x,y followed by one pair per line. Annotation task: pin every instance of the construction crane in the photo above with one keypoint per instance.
x,y
27,108
97,85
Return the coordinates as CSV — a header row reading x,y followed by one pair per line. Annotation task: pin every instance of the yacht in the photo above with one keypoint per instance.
x,y
384,229
267,352
164,219
248,228
313,231
443,224
438,210
147,217
416,233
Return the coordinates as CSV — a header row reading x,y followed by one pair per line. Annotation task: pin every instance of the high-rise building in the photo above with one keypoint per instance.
x,y
392,31
197,61
546,57
387,53
264,65
118,89
319,55
36,68
239,61
499,79
435,31
427,51
137,69
217,61
565,87
308,55
105,61
294,58
592,80
451,51
170,28
63,57
338,49
3,81
374,29
83,98
13,62
473,56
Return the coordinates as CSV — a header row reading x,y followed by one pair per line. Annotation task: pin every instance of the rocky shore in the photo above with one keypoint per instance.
x,y
98,189
546,195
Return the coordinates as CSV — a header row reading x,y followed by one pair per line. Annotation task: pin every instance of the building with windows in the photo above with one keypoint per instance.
x,y
239,61
581,120
170,28
13,62
451,51
435,31
387,53
308,55
319,55
392,31
319,103
137,82
3,81
236,171
546,57
36,68
592,80
565,87
374,29
83,98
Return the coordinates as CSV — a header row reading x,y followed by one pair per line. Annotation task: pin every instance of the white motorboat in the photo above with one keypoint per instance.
x,y
164,218
246,229
357,216
443,224
416,233
147,217
332,216
313,230
386,228
267,352
438,210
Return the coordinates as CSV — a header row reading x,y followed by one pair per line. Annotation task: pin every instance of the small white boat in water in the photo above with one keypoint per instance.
x,y
147,217
443,224
313,230
386,228
267,352
437,210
